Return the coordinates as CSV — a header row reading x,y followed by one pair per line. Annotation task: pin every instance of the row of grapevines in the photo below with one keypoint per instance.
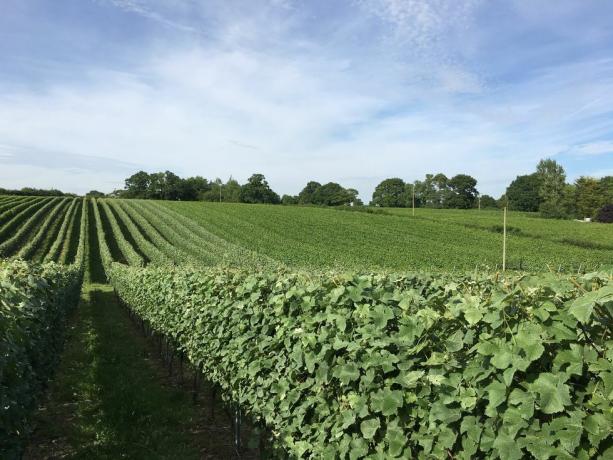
x,y
209,248
38,255
9,199
146,224
44,230
74,232
35,300
10,204
385,366
154,254
10,245
81,256
132,257
13,218
178,235
54,250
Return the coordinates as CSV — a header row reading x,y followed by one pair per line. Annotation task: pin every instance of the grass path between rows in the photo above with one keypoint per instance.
x,y
109,399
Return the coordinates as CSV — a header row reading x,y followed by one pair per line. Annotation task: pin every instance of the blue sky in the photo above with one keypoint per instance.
x,y
351,91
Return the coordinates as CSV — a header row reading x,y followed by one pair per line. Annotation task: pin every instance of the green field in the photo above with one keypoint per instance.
x,y
433,239
305,237
333,333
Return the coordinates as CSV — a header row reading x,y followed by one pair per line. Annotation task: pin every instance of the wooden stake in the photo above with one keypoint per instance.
x,y
504,240
413,200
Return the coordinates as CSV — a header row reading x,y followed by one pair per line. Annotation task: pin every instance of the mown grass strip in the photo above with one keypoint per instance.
x,y
106,400
97,253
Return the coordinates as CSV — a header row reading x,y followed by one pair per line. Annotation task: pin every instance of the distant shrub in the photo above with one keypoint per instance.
x,y
510,230
605,214
586,244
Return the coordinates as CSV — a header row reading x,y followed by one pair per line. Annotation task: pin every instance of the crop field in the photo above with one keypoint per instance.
x,y
521,225
434,239
333,334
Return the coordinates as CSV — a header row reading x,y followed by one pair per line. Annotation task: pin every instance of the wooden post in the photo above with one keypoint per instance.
x,y
504,239
479,202
413,199
220,191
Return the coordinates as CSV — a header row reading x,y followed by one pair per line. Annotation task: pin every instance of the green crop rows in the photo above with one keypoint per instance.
x,y
316,237
297,315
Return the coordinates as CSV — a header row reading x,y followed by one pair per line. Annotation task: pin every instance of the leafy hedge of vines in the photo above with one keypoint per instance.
x,y
34,302
411,366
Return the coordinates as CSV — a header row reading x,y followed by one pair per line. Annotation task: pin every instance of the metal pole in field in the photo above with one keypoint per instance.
x,y
479,202
413,200
504,239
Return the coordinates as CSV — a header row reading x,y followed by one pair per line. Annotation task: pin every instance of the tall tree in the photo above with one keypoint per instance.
x,y
352,197
523,193
308,192
231,191
606,190
390,193
257,190
588,196
462,192
193,187
171,186
289,200
488,202
440,183
137,185
426,194
332,194
552,187
156,186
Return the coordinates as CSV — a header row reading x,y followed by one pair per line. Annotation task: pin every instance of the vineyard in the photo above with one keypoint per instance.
x,y
335,334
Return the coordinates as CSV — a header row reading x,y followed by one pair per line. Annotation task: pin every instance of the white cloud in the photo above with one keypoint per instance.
x,y
594,148
261,97
145,9
422,23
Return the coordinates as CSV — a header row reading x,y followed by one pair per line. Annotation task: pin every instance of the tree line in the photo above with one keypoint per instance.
x,y
169,186
547,192
29,191
544,191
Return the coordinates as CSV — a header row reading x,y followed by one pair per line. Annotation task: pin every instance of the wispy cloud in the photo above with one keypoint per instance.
x,y
70,162
144,8
594,148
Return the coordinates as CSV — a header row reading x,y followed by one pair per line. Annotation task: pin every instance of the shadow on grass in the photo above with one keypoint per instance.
x,y
74,231
106,400
95,270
